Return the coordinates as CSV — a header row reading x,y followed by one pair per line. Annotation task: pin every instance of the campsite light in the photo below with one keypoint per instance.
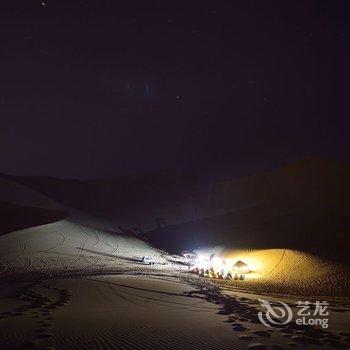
x,y
217,263
202,262
211,265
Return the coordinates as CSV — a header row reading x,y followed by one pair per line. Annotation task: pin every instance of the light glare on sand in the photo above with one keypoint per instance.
x,y
227,266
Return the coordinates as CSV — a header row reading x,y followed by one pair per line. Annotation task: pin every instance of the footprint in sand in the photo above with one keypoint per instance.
x,y
331,341
305,340
262,333
32,344
257,346
58,304
224,312
243,319
17,314
254,321
286,330
231,319
40,330
246,337
46,313
239,328
44,335
52,306
276,347
19,309
47,324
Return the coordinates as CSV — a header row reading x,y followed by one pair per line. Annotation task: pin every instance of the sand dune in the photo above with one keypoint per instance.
x,y
15,217
134,200
16,193
303,206
285,271
70,292
20,201
65,246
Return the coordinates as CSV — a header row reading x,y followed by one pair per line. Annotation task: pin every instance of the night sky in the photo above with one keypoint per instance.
x,y
97,89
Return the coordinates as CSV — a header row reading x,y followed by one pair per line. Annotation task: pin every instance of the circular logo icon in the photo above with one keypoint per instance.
x,y
277,313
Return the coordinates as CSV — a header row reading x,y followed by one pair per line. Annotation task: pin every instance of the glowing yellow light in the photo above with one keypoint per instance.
x,y
219,267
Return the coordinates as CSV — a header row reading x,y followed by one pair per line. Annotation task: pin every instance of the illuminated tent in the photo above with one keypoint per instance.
x,y
240,265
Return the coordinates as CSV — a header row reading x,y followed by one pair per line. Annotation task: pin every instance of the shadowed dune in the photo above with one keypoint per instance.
x,y
21,201
17,217
257,228
16,193
303,205
135,200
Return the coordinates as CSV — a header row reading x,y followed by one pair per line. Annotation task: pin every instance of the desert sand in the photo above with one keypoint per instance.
x,y
64,247
150,311
74,287
70,280
286,271
118,312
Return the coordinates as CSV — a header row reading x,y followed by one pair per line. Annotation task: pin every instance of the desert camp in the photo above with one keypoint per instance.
x,y
174,175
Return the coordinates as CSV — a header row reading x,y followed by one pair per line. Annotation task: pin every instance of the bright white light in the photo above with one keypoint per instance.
x,y
217,267
202,262
217,263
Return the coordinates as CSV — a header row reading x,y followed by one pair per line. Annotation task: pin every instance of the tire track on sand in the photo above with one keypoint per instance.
x,y
56,246
27,262
275,267
81,248
19,255
44,263
3,267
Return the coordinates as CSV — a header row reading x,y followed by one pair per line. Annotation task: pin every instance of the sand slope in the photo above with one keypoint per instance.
x,y
303,206
20,201
285,271
135,200
15,217
65,246
16,193
116,312
158,311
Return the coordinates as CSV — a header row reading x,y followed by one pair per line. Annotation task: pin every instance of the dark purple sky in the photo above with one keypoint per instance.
x,y
95,89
